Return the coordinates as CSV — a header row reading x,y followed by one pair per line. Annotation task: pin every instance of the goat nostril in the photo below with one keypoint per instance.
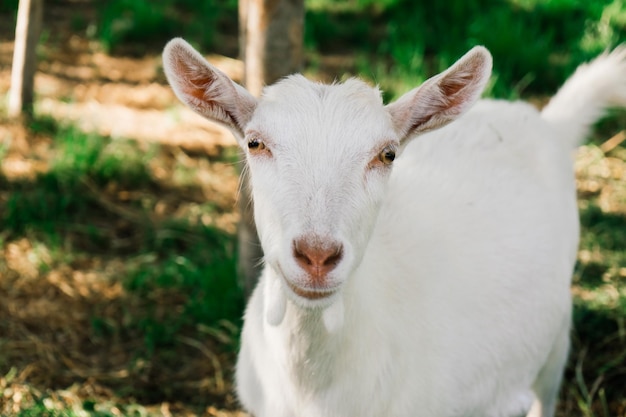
x,y
334,259
317,258
300,256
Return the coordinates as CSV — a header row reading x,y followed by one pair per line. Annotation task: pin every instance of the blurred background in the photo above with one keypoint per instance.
x,y
118,207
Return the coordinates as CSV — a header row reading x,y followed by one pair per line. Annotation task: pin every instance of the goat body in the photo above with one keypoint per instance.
x,y
433,285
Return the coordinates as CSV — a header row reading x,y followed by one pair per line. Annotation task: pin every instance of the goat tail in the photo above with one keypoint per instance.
x,y
587,94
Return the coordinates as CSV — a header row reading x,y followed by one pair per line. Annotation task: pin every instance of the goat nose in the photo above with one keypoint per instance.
x,y
317,258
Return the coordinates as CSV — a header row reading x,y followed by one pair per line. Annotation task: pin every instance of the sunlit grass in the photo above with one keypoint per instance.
x,y
153,289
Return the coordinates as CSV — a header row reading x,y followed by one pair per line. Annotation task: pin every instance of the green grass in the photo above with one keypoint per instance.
x,y
535,43
138,26
127,22
180,295
87,156
197,264
60,197
604,238
596,375
9,6
173,253
43,408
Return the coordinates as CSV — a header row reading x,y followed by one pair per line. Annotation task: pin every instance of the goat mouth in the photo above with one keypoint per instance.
x,y
310,294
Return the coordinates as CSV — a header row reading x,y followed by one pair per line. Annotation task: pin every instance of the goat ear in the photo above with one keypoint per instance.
x,y
205,89
444,97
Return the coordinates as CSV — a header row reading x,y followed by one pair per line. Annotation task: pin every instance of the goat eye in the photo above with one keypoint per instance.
x,y
387,155
255,144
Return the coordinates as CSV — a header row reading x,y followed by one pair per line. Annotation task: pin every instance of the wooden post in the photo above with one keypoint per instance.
x,y
271,38
27,31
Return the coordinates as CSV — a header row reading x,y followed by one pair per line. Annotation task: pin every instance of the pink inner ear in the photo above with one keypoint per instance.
x,y
205,89
194,81
198,85
453,85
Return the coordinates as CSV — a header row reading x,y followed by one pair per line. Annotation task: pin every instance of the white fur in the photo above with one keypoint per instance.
x,y
451,297
585,96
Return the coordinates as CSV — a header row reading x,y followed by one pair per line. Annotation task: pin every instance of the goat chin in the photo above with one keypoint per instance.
x,y
276,307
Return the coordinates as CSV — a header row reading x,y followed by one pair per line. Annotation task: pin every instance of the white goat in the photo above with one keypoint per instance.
x,y
435,285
